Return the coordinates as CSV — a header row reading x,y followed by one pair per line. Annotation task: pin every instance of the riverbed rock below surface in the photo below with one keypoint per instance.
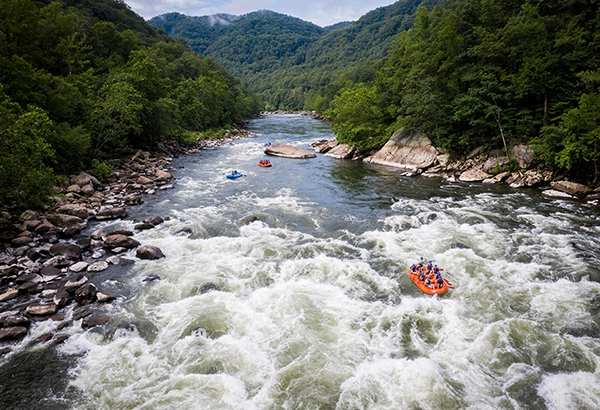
x,y
11,333
281,149
407,150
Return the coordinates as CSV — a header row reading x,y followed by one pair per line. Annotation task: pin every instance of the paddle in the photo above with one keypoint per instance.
x,y
448,283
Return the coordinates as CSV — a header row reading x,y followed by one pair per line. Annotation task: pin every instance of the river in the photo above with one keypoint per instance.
x,y
288,289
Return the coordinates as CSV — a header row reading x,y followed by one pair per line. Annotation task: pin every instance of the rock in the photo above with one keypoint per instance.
x,y
495,165
61,297
84,179
154,220
86,294
21,241
98,234
59,261
14,319
474,175
105,298
75,282
98,266
162,176
75,210
142,180
407,150
41,309
555,194
44,227
64,220
151,278
29,216
523,154
118,261
143,226
93,320
50,271
112,213
571,188
28,277
87,190
341,151
134,199
281,149
79,266
45,337
323,146
118,240
48,293
149,252
33,288
9,294
34,255
165,187
68,250
12,333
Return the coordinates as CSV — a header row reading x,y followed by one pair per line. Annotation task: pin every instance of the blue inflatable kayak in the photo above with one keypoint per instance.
x,y
234,175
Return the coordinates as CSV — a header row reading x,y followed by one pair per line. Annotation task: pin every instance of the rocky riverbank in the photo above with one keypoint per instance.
x,y
47,265
414,154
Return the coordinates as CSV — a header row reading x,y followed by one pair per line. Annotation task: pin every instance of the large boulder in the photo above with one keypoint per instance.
x,y
281,149
69,250
75,210
571,188
341,151
149,252
523,154
474,175
407,150
119,240
112,213
65,221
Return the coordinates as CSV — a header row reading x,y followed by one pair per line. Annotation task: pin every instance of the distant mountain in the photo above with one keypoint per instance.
x,y
285,58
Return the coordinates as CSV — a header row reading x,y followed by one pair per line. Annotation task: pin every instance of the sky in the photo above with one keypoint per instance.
x,y
321,12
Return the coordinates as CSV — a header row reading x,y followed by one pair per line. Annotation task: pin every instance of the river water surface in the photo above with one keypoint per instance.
x,y
288,289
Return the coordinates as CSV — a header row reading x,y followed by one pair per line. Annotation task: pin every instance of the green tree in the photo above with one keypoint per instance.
x,y
26,179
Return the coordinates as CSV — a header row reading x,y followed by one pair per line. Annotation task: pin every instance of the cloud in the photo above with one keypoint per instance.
x,y
322,13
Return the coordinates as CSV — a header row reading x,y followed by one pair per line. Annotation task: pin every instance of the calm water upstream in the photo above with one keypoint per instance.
x,y
288,289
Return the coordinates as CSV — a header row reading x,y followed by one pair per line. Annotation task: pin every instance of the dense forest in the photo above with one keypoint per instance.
x,y
475,73
84,80
291,63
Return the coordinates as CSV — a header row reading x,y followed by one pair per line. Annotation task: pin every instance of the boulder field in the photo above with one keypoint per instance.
x,y
49,270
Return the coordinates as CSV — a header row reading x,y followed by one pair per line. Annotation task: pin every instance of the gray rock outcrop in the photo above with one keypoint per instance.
x,y
407,150
281,149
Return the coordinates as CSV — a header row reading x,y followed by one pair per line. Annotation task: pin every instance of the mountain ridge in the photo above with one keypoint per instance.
x,y
286,59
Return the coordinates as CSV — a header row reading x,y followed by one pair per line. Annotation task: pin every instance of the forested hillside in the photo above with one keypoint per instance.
x,y
477,73
84,80
288,60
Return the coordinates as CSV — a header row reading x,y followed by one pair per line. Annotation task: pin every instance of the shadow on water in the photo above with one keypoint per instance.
x,y
36,379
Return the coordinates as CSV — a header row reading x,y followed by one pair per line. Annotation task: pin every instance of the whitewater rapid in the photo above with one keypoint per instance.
x,y
288,289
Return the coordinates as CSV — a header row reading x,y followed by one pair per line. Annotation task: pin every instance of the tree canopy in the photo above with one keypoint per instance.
x,y
81,80
476,73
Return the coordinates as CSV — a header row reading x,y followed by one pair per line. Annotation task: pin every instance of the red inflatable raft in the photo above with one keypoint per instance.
x,y
433,289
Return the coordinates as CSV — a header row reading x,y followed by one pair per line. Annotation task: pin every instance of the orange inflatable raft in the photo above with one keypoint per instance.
x,y
264,163
433,289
